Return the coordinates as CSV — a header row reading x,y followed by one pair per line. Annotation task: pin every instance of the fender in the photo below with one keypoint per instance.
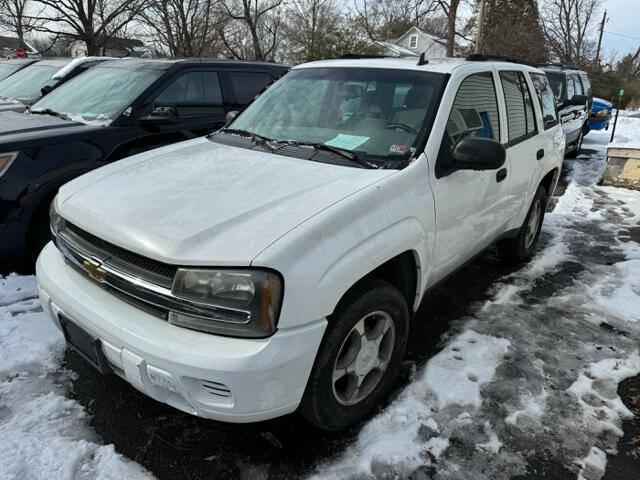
x,y
326,255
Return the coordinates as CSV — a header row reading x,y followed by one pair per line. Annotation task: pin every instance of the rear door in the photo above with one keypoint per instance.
x,y
525,147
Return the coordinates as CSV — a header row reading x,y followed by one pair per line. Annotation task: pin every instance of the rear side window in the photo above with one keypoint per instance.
x,y
248,84
475,110
571,89
578,84
586,84
193,93
520,117
546,99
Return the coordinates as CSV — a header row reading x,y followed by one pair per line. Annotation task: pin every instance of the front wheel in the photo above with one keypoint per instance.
x,y
359,357
521,247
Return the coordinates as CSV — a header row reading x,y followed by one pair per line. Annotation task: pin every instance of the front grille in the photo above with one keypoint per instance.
x,y
137,265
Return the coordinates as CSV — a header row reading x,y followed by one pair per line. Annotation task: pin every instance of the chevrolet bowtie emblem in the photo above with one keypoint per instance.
x,y
95,270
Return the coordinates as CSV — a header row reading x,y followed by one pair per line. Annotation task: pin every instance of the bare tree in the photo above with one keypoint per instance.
x,y
259,19
388,19
450,9
187,28
567,25
15,18
318,29
93,22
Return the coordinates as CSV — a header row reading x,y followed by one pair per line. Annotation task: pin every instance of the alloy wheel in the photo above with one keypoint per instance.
x,y
363,358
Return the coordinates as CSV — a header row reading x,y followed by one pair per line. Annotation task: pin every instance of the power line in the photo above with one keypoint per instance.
x,y
621,35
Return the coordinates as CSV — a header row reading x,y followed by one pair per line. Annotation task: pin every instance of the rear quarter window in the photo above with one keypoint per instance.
x,y
520,114
248,84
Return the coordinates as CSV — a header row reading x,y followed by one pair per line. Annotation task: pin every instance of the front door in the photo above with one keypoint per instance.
x,y
470,205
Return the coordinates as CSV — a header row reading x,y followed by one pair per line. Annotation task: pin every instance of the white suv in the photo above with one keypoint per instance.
x,y
276,264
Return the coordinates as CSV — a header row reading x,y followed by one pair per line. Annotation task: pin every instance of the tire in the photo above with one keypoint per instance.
x,y
521,247
574,153
39,231
372,304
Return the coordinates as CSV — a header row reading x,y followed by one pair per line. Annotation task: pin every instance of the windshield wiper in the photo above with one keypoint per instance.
x,y
354,157
257,138
49,111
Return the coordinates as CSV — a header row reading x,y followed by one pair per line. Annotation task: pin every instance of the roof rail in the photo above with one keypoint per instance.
x,y
562,66
481,57
348,56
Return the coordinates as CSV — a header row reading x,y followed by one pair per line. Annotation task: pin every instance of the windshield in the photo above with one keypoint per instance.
x,y
374,112
25,85
98,94
556,80
7,69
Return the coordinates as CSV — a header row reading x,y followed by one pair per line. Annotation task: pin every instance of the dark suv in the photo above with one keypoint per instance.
x,y
28,85
572,90
112,111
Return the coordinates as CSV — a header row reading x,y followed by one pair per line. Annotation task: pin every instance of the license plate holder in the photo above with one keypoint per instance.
x,y
85,344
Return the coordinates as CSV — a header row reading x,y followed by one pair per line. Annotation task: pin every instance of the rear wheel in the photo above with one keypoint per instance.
x,y
521,247
359,357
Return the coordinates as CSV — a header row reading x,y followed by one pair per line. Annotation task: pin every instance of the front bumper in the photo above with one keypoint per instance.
x,y
222,378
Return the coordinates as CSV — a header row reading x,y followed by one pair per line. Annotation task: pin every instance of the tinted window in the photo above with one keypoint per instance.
x,y
189,95
586,84
475,110
546,99
248,84
571,89
557,81
578,84
520,117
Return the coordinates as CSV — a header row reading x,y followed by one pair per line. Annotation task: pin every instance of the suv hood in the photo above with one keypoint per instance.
x,y
19,131
203,203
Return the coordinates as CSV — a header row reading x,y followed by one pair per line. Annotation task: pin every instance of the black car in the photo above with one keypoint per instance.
x,y
572,90
28,85
112,111
9,67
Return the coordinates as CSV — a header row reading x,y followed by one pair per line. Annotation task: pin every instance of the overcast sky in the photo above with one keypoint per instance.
x,y
623,18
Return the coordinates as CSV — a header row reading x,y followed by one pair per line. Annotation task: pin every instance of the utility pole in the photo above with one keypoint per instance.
x,y
478,48
604,19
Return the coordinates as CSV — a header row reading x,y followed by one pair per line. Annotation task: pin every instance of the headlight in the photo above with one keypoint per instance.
x,y
601,113
6,159
56,221
248,300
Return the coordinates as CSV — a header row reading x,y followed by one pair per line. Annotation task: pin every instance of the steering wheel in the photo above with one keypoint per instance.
x,y
401,126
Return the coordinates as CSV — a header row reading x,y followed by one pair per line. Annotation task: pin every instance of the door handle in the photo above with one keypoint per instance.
x,y
501,174
540,154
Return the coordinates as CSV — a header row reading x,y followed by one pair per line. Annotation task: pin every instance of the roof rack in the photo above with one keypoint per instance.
x,y
481,57
348,56
561,66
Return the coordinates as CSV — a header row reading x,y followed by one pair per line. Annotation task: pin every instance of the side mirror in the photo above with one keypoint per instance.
x,y
577,100
477,153
160,116
46,89
231,115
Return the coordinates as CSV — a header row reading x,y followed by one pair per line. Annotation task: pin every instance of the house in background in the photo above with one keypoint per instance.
x,y
418,41
115,47
10,45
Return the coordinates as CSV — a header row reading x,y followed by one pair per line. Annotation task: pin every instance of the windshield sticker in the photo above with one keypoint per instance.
x,y
398,149
348,142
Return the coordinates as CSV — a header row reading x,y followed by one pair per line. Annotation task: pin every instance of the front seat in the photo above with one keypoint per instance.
x,y
413,111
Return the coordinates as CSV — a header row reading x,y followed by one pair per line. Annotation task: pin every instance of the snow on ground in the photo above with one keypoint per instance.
x,y
44,434
533,373
627,131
